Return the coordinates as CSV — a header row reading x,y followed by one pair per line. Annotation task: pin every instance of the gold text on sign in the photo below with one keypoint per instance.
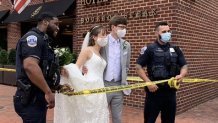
x,y
128,15
92,2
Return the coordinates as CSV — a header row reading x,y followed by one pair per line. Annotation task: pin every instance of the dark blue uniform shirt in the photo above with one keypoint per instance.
x,y
160,55
32,44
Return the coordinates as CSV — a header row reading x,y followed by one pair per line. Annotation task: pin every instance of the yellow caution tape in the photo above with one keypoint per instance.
x,y
112,88
8,70
186,80
171,82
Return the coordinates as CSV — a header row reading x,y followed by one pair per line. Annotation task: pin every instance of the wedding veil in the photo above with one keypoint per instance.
x,y
86,41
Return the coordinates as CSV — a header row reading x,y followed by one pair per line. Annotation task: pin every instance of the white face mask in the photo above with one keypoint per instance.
x,y
121,33
102,41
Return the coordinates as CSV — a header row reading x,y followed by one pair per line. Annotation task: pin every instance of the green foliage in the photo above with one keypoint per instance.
x,y
12,57
65,56
74,58
3,57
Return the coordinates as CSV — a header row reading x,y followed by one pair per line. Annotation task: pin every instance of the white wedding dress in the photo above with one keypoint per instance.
x,y
84,108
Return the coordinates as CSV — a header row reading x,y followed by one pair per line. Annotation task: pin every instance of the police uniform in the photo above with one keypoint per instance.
x,y
162,62
32,108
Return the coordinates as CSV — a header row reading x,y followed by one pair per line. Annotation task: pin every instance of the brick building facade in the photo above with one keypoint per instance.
x,y
194,25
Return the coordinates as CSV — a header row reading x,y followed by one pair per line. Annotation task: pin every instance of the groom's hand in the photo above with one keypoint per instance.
x,y
84,70
65,88
50,99
64,72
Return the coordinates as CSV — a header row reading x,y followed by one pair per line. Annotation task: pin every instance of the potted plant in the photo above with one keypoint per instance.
x,y
9,76
3,61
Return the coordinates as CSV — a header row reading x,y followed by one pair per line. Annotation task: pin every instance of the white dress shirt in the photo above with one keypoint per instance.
x,y
113,72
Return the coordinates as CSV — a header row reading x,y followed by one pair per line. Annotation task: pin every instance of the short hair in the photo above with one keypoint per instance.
x,y
46,16
163,23
116,20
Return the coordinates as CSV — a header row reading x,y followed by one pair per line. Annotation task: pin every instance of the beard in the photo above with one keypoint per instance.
x,y
50,32
52,37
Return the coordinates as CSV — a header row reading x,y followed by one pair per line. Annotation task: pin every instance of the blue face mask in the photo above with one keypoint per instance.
x,y
165,37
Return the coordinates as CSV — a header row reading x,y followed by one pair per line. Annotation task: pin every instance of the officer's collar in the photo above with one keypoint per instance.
x,y
38,31
162,45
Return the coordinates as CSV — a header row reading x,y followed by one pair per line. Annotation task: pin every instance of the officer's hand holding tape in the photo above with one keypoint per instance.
x,y
179,78
152,87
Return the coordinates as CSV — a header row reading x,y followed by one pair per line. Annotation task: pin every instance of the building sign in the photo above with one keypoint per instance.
x,y
36,12
92,2
129,15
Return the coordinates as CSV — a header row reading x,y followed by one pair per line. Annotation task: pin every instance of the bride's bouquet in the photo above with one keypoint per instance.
x,y
65,56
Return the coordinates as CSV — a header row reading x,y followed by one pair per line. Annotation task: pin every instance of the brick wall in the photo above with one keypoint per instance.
x,y
14,34
194,30
5,5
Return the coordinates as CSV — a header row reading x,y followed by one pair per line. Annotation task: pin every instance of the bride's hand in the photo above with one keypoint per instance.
x,y
64,72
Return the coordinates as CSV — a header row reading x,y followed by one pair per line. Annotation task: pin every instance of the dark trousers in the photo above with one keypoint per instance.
x,y
34,112
160,101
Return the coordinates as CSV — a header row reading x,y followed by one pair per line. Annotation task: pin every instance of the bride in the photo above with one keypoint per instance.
x,y
84,108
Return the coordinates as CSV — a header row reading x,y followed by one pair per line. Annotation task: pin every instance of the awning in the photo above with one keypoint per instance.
x,y
3,14
31,12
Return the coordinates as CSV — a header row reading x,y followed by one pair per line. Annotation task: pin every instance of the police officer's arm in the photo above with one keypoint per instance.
x,y
142,75
34,73
184,70
183,73
183,64
32,51
142,62
141,72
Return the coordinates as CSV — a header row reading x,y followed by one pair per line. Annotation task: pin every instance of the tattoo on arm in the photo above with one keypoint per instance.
x,y
138,67
185,67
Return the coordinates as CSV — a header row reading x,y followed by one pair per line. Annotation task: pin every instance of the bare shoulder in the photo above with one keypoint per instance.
x,y
86,51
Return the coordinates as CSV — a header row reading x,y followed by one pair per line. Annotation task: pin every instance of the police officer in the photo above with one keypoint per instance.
x,y
163,61
36,70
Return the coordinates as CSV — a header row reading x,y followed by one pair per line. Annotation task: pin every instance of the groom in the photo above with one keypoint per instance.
x,y
117,54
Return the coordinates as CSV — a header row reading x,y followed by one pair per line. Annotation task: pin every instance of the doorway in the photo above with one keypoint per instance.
x,y
3,37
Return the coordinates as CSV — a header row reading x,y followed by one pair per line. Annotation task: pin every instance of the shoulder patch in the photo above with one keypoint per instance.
x,y
143,50
31,41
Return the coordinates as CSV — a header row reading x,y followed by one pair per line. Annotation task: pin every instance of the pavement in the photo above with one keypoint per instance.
x,y
204,113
